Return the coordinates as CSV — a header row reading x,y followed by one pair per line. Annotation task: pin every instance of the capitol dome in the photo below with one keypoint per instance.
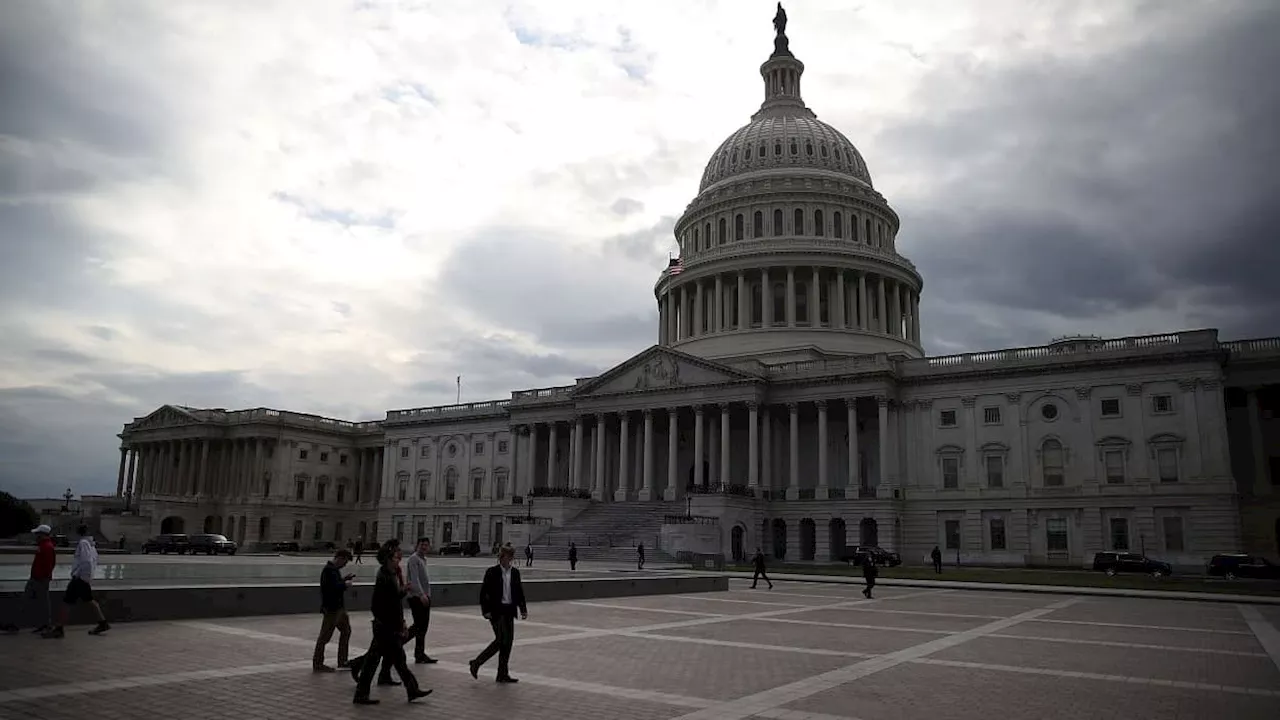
x,y
787,252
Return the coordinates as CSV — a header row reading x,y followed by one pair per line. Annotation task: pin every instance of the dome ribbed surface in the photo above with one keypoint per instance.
x,y
787,142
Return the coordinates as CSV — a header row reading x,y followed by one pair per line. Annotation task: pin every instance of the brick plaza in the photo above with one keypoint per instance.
x,y
799,651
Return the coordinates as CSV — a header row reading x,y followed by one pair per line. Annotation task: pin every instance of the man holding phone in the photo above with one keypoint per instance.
x,y
333,591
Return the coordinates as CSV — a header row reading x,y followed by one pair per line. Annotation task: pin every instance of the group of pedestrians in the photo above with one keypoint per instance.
x,y
397,581
79,588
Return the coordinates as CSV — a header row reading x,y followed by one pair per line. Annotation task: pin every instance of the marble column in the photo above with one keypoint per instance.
x,y
579,482
530,455
815,297
725,416
864,316
698,477
674,485
717,325
791,297
699,310
793,457
624,444
255,472
842,302
823,476
646,472
766,299
753,446
124,460
882,324
202,475
882,403
131,474
744,304
766,443
600,487
851,420
552,440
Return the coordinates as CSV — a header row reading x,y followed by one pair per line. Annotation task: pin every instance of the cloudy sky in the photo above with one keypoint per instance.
x,y
337,207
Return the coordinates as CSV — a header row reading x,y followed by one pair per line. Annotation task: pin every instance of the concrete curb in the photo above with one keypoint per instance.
x,y
1025,588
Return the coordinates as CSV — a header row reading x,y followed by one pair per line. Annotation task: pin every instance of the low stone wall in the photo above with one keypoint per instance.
x,y
189,603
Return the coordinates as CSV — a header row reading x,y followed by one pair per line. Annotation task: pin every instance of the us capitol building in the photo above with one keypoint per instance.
x,y
788,405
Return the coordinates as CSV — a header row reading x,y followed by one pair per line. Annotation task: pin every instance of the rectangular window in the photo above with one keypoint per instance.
x,y
297,529
1119,534
1173,541
475,532
318,531
320,488
477,488
502,446
1110,407
425,451
337,532
947,418
422,529
400,530
1161,404
1055,535
997,534
950,473
991,415
422,488
299,490
1167,461
1113,460
302,454
342,459
479,448
404,451
324,457
952,530
403,492
995,471
342,493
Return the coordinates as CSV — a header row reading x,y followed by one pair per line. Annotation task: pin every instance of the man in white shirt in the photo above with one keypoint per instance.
x,y
418,582
79,589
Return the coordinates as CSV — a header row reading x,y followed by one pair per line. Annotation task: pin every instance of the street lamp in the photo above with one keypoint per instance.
x,y
528,506
688,506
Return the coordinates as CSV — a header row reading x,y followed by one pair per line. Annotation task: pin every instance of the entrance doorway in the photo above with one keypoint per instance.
x,y
737,537
173,524
836,533
808,539
780,539
869,532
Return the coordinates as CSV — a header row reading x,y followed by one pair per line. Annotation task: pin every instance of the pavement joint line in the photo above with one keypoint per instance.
x,y
1132,646
665,611
857,626
781,714
1024,670
750,645
712,598
1132,626
596,688
791,692
1264,631
137,681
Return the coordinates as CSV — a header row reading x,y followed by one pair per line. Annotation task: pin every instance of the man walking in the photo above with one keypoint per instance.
x,y
573,556
936,556
528,554
333,604
418,583
757,563
869,573
388,631
46,558
501,594
83,565
640,556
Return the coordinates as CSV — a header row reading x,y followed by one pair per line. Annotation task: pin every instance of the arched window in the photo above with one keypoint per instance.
x,y
802,302
706,231
819,228
696,246
795,147
757,304
500,478
762,152
777,223
777,149
868,235
424,485
722,235
451,484
779,303
853,228
808,148
837,224
1051,462
477,484
757,224
799,221
739,229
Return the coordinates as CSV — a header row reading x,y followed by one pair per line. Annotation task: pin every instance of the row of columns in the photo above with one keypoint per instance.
x,y
855,301
192,467
591,477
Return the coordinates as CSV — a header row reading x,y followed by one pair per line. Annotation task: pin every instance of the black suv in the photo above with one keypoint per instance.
x,y
1112,562
1234,565
211,544
167,543
856,554
469,548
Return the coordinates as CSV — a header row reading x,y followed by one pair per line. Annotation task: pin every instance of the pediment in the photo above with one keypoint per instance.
x,y
661,368
166,416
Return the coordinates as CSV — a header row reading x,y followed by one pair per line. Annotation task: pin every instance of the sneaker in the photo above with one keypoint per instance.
x,y
322,669
364,700
425,660
416,694
475,669
388,682
507,680
100,628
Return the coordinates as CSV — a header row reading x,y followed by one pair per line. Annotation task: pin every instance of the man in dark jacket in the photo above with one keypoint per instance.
x,y
573,556
333,604
869,573
936,557
501,594
388,631
757,563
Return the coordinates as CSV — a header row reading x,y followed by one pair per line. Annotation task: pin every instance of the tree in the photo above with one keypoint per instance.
x,y
16,516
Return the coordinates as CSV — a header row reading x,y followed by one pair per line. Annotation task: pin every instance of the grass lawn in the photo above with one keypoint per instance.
x,y
1031,576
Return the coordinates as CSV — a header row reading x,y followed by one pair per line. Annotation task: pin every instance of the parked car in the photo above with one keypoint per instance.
x,y
854,555
167,543
287,546
1234,565
211,544
1113,563
469,548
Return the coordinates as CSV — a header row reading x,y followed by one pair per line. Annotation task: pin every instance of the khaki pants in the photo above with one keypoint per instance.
x,y
333,620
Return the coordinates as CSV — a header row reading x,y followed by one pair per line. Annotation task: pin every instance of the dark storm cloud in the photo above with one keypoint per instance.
x,y
1083,188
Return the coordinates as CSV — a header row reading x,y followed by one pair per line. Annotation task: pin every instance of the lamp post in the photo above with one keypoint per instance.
x,y
66,500
528,506
688,506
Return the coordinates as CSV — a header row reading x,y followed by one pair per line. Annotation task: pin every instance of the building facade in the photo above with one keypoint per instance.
x,y
789,398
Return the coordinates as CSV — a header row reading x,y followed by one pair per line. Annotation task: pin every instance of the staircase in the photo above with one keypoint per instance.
x,y
609,532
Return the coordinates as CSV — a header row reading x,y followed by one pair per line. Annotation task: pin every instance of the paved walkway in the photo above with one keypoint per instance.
x,y
798,651
1028,588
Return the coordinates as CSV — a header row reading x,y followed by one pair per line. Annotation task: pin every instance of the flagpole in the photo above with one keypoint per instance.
x,y
459,390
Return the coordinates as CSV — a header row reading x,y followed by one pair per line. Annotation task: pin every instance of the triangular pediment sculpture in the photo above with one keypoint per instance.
x,y
660,368
165,416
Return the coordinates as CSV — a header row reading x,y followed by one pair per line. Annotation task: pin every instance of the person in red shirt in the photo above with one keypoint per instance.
x,y
42,565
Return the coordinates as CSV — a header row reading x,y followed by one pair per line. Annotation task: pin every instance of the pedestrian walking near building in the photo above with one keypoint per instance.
x,y
418,582
42,565
388,631
79,589
573,556
387,549
333,605
528,554
359,550
501,594
869,572
757,563
640,556
936,556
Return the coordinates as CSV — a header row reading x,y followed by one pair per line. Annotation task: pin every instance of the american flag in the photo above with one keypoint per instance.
x,y
675,266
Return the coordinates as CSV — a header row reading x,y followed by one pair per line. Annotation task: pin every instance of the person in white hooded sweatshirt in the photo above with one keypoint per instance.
x,y
83,565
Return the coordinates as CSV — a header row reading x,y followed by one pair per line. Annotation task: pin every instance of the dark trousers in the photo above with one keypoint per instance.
x,y
504,636
871,583
333,620
755,577
421,621
387,646
573,564
937,565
